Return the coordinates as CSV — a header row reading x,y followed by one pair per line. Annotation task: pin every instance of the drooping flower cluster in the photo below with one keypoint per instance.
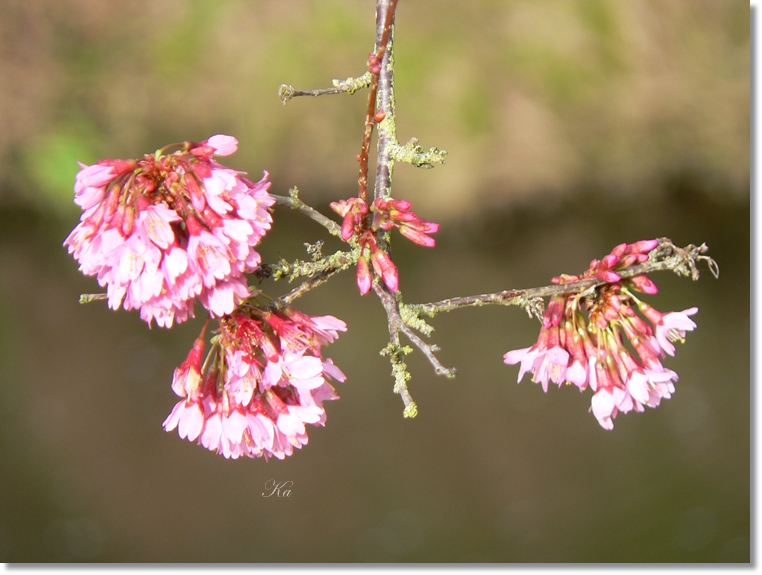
x,y
168,228
263,380
590,340
387,213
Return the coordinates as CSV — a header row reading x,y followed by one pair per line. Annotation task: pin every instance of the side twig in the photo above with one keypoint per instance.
x,y
397,325
306,286
349,86
666,256
293,202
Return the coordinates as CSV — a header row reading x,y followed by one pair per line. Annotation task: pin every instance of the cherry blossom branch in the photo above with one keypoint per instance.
x,y
397,352
389,149
666,256
349,86
385,103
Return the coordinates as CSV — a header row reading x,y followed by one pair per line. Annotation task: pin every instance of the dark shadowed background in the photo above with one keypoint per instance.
x,y
571,126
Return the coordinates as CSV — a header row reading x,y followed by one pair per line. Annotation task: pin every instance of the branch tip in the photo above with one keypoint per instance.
x,y
89,297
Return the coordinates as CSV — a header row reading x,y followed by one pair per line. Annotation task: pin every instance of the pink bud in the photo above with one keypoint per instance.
x,y
431,227
193,226
654,315
341,207
619,251
403,216
609,261
607,276
554,312
374,64
380,204
347,227
112,202
363,275
201,150
628,260
417,237
211,218
644,284
643,246
201,170
640,325
119,166
384,267
196,195
401,205
128,223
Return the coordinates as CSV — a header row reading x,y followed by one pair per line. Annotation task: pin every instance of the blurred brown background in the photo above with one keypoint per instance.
x,y
571,126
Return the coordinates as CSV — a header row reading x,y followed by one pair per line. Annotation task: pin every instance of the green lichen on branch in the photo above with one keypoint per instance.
x,y
418,156
414,320
349,86
89,297
397,354
292,271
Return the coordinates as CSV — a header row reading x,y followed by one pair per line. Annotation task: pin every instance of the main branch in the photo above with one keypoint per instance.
x,y
384,21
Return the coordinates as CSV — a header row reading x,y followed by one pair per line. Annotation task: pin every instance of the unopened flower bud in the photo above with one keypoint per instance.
x,y
644,284
384,267
363,275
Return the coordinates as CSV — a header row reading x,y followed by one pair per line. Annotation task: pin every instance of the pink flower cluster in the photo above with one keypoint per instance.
x,y
166,229
387,213
589,340
262,382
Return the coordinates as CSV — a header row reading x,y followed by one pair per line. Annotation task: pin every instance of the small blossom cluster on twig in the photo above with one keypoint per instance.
x,y
263,380
589,339
166,229
387,213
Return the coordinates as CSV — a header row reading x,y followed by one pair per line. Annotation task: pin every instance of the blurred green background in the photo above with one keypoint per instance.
x,y
571,126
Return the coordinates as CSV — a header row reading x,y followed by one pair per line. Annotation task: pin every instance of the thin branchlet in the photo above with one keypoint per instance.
x,y
397,325
396,354
298,269
88,297
306,286
666,256
348,86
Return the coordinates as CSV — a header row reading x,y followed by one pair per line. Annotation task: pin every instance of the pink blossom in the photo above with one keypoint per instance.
x,y
526,356
266,383
581,340
156,252
223,145
670,327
